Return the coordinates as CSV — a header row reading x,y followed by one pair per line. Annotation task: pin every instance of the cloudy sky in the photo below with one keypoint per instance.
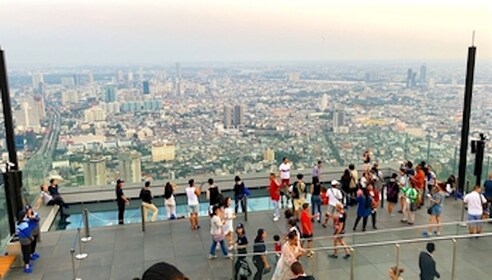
x,y
101,32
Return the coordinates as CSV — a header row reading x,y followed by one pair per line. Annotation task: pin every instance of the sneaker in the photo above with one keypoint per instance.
x,y
267,270
375,227
35,256
400,211
438,233
425,234
346,256
333,256
403,221
392,215
231,248
27,269
211,257
228,256
275,219
410,223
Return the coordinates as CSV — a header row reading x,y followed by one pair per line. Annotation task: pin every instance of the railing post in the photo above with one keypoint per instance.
x,y
87,234
143,217
397,256
74,275
352,264
453,265
81,255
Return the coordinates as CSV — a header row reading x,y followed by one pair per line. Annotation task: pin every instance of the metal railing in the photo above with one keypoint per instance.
x,y
77,244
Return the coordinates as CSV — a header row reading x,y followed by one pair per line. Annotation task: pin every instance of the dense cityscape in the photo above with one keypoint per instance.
x,y
92,126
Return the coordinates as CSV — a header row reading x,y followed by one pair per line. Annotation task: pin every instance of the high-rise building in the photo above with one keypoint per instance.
x,y
90,78
269,155
95,171
163,151
69,97
238,115
227,116
409,78
178,70
27,116
76,79
423,75
323,104
39,104
94,114
109,93
37,82
294,77
338,119
146,87
130,167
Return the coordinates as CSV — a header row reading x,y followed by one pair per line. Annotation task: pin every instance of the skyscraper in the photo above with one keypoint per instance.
x,y
238,115
90,78
338,120
76,79
130,167
28,116
163,151
227,116
409,78
37,82
109,93
323,104
178,71
269,155
146,87
423,75
95,171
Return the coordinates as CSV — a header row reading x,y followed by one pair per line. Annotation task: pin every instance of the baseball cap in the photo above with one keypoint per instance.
x,y
335,183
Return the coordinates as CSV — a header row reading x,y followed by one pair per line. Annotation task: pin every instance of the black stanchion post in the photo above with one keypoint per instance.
x,y
143,217
87,234
81,255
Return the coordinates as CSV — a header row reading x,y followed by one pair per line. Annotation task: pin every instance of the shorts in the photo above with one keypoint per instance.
x,y
330,211
298,203
307,236
285,182
436,210
193,209
474,218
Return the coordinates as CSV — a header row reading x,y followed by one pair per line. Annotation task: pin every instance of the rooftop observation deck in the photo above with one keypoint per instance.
x,y
124,252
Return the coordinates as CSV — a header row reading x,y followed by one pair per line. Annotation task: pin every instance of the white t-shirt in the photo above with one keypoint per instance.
x,y
191,195
475,201
228,214
284,170
46,197
334,196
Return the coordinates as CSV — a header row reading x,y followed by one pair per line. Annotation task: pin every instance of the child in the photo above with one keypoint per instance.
x,y
277,246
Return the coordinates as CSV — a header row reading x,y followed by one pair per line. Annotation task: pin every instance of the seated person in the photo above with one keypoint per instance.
x,y
298,271
49,199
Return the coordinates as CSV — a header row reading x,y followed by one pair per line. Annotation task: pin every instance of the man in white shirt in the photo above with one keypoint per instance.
x,y
192,194
284,174
475,201
334,197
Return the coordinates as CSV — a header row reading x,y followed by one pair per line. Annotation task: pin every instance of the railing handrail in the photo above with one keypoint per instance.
x,y
382,243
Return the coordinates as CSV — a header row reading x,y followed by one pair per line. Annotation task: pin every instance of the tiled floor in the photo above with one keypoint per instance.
x,y
124,252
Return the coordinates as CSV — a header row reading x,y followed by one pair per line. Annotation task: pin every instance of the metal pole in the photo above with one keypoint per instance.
x,y
74,275
397,256
143,217
454,260
428,148
454,160
465,128
245,208
463,224
87,232
352,265
81,255
234,256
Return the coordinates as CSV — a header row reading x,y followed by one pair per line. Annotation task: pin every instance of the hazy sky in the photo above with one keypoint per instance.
x,y
99,32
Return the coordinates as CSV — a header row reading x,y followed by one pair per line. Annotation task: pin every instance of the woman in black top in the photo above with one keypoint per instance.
x,y
241,266
239,195
121,200
213,194
339,223
260,261
316,199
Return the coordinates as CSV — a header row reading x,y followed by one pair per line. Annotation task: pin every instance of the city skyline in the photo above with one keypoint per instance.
x,y
160,32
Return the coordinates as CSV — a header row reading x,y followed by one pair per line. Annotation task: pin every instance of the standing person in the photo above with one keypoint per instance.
x,y
121,200
316,201
430,179
334,197
229,217
275,196
213,194
411,200
217,223
192,194
392,193
146,197
345,182
435,209
487,185
339,225
170,201
298,194
353,183
366,159
239,190
402,183
46,198
316,173
374,194
260,261
290,254
24,231
33,219
284,174
241,266
427,264
475,201
364,204
418,181
377,177
307,229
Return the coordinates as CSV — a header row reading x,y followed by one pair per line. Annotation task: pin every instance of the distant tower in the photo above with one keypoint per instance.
x,y
95,171
423,75
37,82
409,78
90,78
294,77
338,119
323,104
227,116
76,79
130,167
109,94
178,71
146,87
269,155
238,115
140,75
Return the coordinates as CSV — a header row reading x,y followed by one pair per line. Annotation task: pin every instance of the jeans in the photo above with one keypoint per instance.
x,y
214,246
258,262
239,200
315,204
276,208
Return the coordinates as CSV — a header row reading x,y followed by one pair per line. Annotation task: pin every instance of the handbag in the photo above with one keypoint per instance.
x,y
218,237
413,206
429,210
